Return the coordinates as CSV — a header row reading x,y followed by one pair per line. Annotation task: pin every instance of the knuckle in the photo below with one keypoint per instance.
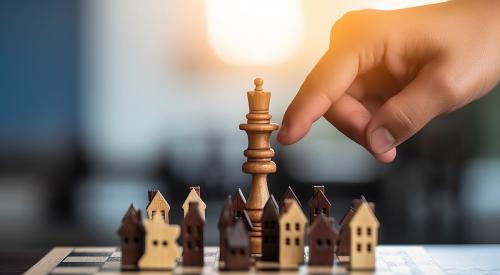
x,y
403,118
353,24
449,86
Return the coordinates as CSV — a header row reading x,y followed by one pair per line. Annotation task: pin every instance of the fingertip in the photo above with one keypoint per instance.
x,y
386,157
292,133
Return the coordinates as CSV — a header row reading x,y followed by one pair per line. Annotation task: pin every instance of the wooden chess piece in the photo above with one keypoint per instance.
x,y
318,204
131,234
292,225
364,237
226,220
238,247
161,250
192,236
259,154
322,239
270,231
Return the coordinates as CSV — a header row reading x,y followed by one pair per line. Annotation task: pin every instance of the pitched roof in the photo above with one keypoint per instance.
x,y
289,194
318,198
237,235
194,196
227,214
132,218
247,221
157,196
323,224
364,215
239,201
271,209
292,208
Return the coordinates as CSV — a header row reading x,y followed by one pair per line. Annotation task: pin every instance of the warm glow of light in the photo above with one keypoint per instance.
x,y
259,32
399,4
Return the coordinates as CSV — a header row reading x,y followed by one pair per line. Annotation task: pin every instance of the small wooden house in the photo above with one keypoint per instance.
x,y
161,250
194,196
157,204
192,236
289,194
238,247
344,237
318,204
322,238
270,231
292,226
239,204
364,237
226,219
131,234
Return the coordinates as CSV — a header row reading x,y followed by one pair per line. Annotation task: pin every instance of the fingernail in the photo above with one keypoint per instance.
x,y
381,141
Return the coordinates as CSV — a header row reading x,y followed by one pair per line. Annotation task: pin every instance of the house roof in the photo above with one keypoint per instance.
x,y
239,199
237,235
271,210
289,194
131,219
292,209
227,214
247,221
322,224
363,215
194,196
157,197
318,198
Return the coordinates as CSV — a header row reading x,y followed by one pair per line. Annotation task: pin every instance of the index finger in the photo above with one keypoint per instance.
x,y
328,80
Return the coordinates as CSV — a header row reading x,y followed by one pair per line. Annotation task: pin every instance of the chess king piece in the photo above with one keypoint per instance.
x,y
131,234
259,154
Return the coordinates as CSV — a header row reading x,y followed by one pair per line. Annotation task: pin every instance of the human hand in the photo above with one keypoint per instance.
x,y
386,74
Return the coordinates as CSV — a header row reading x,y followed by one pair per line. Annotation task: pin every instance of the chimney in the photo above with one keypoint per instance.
x,y
319,188
197,189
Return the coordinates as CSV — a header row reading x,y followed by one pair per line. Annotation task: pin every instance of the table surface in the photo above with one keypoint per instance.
x,y
453,259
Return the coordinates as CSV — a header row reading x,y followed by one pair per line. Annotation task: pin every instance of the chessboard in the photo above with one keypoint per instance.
x,y
106,260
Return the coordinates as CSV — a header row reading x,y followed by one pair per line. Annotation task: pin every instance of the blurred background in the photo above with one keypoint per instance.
x,y
102,100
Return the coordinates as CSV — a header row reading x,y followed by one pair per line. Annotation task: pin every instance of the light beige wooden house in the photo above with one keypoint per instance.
x,y
194,196
161,249
292,225
364,237
157,204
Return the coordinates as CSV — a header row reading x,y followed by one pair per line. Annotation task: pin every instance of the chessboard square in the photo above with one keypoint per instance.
x,y
116,254
63,264
90,254
401,270
85,259
75,270
95,249
111,265
397,259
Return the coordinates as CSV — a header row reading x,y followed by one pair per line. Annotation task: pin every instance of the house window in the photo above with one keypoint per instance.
x,y
358,247
189,230
328,242
369,247
199,244
287,241
165,243
359,231
316,211
242,252
287,227
125,240
136,240
155,242
297,241
238,214
153,213
297,226
163,214
319,242
233,251
369,231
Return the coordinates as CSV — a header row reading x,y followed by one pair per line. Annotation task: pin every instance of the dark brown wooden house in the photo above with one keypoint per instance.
x,y
239,204
192,236
270,231
318,204
226,220
289,194
131,234
322,239
238,247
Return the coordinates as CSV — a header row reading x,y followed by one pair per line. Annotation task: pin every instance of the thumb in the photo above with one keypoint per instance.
x,y
407,112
